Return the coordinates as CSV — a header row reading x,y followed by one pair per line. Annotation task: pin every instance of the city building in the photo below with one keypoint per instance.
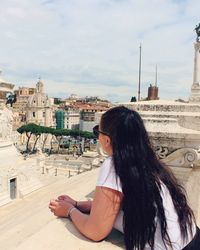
x,y
80,112
22,95
67,118
39,107
23,92
72,119
87,118
59,115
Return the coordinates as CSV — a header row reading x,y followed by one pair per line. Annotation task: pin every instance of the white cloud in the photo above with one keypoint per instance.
x,y
92,46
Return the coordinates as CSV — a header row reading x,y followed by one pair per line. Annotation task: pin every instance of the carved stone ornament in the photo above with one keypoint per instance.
x,y
161,152
184,157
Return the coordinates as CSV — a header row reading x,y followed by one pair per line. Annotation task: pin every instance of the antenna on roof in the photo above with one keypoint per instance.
x,y
156,76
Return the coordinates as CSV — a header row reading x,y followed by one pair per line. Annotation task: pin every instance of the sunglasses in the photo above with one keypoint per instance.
x,y
96,131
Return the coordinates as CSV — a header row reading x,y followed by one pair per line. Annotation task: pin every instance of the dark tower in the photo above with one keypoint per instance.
x,y
152,93
153,90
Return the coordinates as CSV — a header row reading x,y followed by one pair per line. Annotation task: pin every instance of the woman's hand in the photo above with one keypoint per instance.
x,y
67,199
60,208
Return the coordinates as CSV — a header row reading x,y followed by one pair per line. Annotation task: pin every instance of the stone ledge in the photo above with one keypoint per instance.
x,y
61,234
28,224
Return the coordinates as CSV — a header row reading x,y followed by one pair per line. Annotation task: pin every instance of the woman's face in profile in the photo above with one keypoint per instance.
x,y
105,142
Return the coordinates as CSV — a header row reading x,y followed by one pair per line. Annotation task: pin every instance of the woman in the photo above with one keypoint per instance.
x,y
135,193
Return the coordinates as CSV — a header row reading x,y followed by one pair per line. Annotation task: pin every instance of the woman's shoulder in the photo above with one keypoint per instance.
x,y
107,176
108,161
107,166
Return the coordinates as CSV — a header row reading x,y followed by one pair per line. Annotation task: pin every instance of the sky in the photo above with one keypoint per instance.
x,y
91,47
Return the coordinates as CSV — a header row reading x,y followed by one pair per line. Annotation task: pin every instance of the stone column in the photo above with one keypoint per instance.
x,y
195,90
196,64
48,123
48,117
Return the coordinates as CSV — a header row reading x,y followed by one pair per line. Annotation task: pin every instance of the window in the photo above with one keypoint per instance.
x,y
33,114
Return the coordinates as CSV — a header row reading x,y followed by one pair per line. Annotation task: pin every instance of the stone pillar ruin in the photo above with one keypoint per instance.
x,y
195,89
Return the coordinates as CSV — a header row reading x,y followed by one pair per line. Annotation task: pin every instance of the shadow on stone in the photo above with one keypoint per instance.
x,y
71,228
114,238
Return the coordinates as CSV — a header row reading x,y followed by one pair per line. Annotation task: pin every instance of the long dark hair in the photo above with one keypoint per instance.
x,y
141,174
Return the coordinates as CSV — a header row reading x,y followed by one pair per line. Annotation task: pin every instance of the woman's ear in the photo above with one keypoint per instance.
x,y
108,146
107,141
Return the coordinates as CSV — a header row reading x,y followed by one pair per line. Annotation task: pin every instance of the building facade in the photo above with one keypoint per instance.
x,y
39,108
19,107
87,118
72,119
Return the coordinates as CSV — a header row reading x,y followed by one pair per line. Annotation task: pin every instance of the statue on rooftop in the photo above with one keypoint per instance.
x,y
197,29
6,118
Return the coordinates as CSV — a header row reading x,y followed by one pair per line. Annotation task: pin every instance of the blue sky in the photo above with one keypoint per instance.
x,y
91,47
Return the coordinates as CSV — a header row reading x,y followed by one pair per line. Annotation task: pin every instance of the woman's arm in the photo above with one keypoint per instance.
x,y
84,206
99,223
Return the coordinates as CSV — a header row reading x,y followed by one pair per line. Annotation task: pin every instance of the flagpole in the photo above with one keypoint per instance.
x,y
140,64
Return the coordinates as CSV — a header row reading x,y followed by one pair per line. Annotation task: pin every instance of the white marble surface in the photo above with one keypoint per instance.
x,y
31,225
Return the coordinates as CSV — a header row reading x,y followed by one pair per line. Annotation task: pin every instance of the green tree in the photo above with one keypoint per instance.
x,y
46,131
29,129
37,132
133,99
87,135
58,133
